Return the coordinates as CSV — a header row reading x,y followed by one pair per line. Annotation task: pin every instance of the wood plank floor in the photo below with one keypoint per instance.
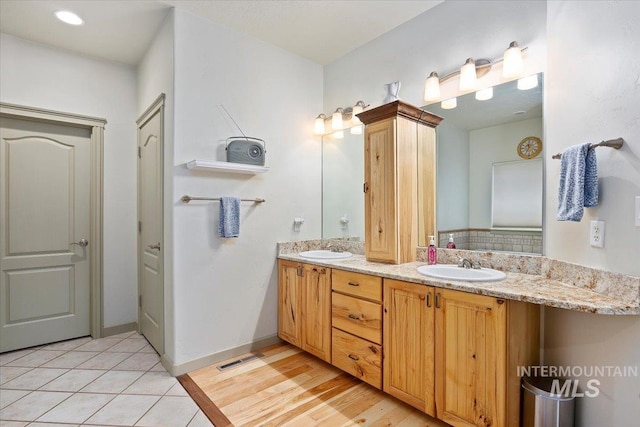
x,y
288,387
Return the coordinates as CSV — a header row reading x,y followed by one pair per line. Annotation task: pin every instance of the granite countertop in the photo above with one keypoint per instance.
x,y
530,288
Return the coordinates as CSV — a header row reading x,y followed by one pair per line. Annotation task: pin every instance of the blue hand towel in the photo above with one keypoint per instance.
x,y
229,225
578,182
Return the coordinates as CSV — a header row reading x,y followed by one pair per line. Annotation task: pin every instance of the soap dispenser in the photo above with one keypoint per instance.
x,y
432,254
451,244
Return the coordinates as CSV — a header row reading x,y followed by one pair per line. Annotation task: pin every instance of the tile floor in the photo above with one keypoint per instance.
x,y
114,381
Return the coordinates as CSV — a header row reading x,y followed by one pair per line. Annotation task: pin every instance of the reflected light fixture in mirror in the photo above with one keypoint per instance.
x,y
484,94
528,82
338,135
448,104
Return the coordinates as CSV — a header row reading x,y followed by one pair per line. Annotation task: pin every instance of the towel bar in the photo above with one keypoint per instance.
x,y
613,143
187,199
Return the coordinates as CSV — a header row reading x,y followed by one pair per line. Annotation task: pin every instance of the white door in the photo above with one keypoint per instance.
x,y
150,227
44,232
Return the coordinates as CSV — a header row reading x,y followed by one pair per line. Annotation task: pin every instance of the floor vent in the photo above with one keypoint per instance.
x,y
239,362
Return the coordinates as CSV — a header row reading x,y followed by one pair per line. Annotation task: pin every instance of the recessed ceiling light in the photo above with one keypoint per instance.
x,y
68,17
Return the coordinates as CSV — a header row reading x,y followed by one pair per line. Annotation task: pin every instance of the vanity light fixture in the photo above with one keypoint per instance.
x,y
473,70
449,104
318,124
336,119
340,119
68,17
468,75
484,94
528,82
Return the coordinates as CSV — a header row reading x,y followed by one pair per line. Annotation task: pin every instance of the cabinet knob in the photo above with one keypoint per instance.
x,y
353,317
353,357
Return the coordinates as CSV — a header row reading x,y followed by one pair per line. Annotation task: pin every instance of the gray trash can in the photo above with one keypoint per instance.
x,y
541,408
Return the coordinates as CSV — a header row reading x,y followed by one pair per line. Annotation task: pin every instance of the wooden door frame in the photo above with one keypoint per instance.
x,y
96,126
156,106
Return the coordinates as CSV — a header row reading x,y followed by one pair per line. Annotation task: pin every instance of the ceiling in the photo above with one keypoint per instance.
x,y
121,31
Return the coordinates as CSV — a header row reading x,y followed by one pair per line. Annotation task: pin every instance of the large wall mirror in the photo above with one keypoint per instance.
x,y
488,196
342,179
473,140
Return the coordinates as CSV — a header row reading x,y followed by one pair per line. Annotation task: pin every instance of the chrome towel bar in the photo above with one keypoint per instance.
x,y
187,199
613,143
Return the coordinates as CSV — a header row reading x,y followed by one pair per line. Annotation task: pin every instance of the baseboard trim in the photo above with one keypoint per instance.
x,y
119,329
201,362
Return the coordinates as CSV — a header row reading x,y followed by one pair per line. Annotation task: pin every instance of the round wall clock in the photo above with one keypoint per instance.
x,y
529,147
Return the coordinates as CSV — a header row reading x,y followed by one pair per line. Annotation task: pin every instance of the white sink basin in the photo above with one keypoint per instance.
x,y
453,272
325,254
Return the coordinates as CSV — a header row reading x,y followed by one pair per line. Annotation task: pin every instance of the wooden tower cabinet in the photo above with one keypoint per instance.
x,y
400,181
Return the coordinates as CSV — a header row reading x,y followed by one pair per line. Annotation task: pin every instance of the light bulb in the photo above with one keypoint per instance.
x,y
448,104
513,64
356,130
432,87
68,17
318,125
468,75
484,94
336,119
357,109
528,82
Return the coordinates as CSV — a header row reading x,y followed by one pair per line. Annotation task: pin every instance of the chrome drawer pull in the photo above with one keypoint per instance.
x,y
353,317
352,357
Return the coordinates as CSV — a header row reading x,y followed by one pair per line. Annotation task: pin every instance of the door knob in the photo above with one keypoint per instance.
x,y
154,246
82,243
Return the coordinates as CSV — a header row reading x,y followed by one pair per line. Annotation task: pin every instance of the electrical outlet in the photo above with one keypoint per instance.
x,y
596,236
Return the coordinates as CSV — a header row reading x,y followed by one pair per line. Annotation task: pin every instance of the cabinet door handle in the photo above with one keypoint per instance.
x,y
437,299
429,299
353,317
353,284
365,187
353,357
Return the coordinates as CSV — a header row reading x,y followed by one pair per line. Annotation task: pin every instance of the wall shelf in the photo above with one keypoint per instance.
x,y
214,166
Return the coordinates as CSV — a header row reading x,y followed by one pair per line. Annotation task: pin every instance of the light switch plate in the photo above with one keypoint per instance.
x,y
637,211
596,236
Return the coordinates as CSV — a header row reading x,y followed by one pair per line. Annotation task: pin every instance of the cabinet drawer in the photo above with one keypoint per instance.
x,y
358,357
356,284
356,316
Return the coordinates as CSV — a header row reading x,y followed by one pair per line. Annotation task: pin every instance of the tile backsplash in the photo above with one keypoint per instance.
x,y
494,240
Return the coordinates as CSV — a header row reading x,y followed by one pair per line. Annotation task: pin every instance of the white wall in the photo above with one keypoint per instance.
x,y
486,147
225,290
156,76
593,93
43,77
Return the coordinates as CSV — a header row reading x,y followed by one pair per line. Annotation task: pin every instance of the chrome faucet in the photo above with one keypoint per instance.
x,y
464,263
333,248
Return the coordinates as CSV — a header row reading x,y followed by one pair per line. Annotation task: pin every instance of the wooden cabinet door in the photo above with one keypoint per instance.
x,y
289,300
381,222
470,359
316,311
408,344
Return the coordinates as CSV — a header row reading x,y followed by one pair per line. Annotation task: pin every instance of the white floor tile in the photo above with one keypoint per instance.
x,y
34,379
158,368
13,355
113,382
9,396
200,420
70,359
138,362
52,425
36,358
68,345
177,390
4,423
157,383
104,361
170,411
126,335
7,373
73,380
147,349
77,408
123,410
101,344
129,345
32,406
